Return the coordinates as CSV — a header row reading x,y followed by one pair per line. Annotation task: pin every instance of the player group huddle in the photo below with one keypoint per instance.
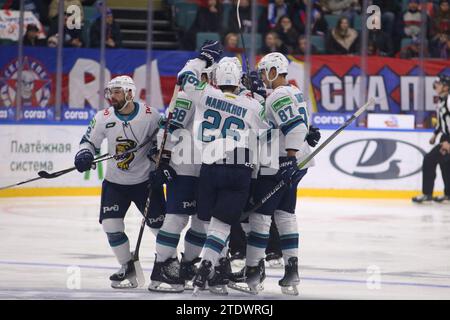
x,y
227,140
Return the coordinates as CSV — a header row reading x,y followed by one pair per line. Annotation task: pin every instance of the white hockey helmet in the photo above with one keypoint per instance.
x,y
273,60
126,83
234,60
227,74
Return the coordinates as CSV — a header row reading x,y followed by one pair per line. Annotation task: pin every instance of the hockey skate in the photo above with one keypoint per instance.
x,y
187,272
125,278
291,280
166,277
201,277
422,198
218,283
252,276
237,259
441,199
274,260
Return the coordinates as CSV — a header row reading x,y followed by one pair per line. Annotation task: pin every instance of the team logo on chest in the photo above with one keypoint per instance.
x,y
123,146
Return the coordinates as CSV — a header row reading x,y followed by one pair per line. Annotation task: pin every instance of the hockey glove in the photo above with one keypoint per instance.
x,y
83,160
313,136
254,83
164,174
211,51
288,171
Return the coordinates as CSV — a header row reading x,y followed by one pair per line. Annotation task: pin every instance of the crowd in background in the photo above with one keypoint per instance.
x,y
281,24
47,13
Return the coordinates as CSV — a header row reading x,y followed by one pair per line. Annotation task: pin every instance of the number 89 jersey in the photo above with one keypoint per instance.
x,y
287,111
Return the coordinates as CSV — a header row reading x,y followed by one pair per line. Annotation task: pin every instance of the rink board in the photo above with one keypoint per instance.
x,y
358,163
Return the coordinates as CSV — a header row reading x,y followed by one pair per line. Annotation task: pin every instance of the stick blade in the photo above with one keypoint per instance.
x,y
44,174
139,273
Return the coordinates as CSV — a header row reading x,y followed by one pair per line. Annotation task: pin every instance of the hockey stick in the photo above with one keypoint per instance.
x,y
243,42
46,175
137,265
281,184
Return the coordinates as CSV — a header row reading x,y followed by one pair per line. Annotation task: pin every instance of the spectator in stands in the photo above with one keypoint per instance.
x,y
30,38
301,47
230,44
208,19
297,12
275,10
345,8
113,37
441,20
35,6
390,11
71,38
412,19
412,50
381,42
287,33
245,13
272,43
440,46
342,39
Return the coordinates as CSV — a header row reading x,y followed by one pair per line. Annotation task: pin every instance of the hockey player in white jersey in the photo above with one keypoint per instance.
x,y
222,120
181,179
286,110
125,125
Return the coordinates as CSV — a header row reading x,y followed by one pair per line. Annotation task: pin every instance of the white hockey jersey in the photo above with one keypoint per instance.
x,y
286,110
222,120
124,133
180,138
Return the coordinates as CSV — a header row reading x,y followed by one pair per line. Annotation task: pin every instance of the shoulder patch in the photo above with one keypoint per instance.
x,y
281,102
183,103
106,113
148,109
201,86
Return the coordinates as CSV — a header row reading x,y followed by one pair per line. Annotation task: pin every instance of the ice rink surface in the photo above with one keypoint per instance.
x,y
54,248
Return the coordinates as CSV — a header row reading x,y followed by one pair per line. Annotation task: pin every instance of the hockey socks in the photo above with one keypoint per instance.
x,y
218,234
195,238
169,236
258,238
118,240
288,230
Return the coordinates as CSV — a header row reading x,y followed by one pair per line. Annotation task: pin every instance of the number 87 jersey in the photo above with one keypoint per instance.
x,y
287,111
223,120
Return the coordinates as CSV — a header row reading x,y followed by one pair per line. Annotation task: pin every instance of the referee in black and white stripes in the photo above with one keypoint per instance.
x,y
435,157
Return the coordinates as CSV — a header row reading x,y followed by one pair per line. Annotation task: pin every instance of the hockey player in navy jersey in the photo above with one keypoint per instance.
x,y
125,125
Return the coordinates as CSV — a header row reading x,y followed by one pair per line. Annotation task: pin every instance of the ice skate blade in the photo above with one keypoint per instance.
x,y
219,290
126,284
290,291
157,286
254,290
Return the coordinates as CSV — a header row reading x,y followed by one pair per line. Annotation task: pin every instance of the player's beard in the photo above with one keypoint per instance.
x,y
118,105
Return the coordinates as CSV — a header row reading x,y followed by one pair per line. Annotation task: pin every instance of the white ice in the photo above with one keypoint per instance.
x,y
54,248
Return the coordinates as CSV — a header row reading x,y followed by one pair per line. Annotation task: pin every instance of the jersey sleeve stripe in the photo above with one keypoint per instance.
x,y
291,124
